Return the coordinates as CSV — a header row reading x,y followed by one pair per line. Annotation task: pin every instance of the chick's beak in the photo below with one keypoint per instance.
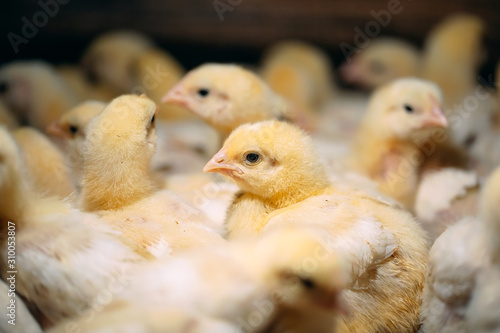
x,y
56,130
219,164
436,118
175,96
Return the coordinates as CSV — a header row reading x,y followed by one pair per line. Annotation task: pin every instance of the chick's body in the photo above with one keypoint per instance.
x,y
283,182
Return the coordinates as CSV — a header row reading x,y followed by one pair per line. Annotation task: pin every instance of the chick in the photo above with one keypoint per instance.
x,y
226,96
118,185
72,127
382,61
110,58
34,92
47,167
465,255
248,285
300,72
392,143
59,262
281,177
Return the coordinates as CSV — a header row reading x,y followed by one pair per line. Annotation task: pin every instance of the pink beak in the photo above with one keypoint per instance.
x,y
436,117
219,164
56,130
175,96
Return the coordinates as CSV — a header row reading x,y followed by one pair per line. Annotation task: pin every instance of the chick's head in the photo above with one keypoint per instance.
x,y
271,159
406,109
125,128
301,269
222,95
74,122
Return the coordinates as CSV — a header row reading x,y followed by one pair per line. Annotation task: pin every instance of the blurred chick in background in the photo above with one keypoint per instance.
x,y
383,60
59,259
47,167
34,93
462,262
226,96
300,72
7,119
82,85
118,185
281,177
229,283
389,147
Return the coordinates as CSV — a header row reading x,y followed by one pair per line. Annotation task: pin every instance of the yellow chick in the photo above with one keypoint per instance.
x,y
34,92
226,96
118,185
398,134
382,61
59,263
72,128
463,263
253,286
47,167
7,119
282,179
111,56
300,72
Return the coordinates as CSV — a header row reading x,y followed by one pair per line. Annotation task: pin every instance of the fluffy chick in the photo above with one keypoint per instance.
x,y
382,61
464,256
281,177
34,92
226,96
399,133
47,167
110,58
300,72
60,264
117,181
234,282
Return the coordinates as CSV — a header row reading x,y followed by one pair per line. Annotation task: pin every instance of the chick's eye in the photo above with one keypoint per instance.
x,y
408,108
73,129
252,158
308,283
153,119
203,92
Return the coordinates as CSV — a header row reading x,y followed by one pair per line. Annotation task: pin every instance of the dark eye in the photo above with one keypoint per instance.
x,y
408,108
153,119
252,157
203,92
308,283
377,67
3,87
73,129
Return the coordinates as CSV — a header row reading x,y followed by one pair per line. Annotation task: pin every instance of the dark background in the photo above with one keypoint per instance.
x,y
192,31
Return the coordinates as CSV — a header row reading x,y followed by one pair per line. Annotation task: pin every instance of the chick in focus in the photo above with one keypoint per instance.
x,y
300,72
283,181
226,96
46,165
462,265
118,184
34,93
382,61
